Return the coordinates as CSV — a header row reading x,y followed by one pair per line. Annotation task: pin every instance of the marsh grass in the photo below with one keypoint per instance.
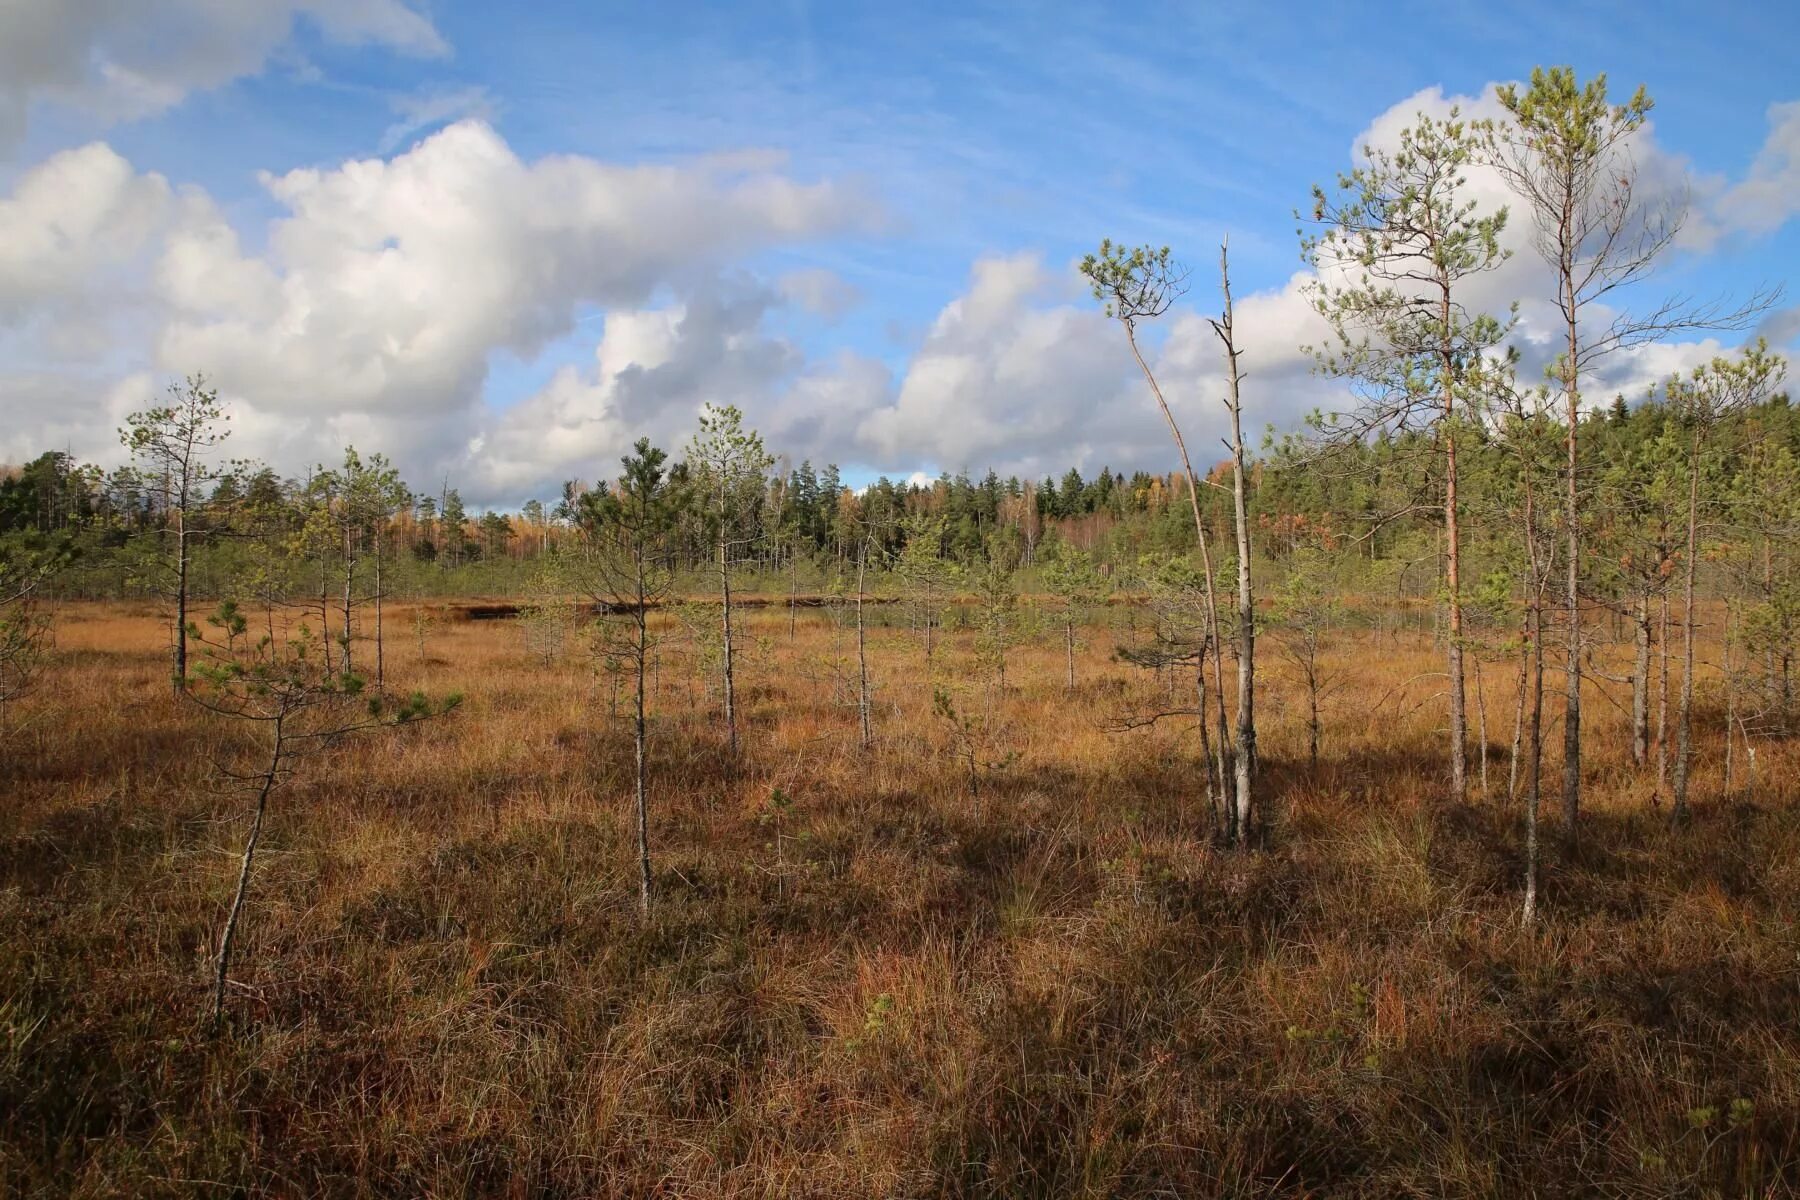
x,y
1063,990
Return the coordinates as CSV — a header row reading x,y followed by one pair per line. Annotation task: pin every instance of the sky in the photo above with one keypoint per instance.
x,y
499,243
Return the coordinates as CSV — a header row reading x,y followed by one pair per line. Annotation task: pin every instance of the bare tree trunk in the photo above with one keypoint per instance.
x,y
639,738
1730,700
1246,598
181,599
731,732
1512,770
1534,620
1534,761
349,581
1459,718
1662,700
380,654
1684,712
862,651
1481,731
1222,749
222,964
1640,683
324,612
793,594
1572,599
1215,784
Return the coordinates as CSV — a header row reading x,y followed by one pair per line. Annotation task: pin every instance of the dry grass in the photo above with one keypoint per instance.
x,y
1056,988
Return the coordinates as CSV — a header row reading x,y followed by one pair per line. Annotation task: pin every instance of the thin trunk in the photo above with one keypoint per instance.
x,y
793,595
1215,785
1572,597
179,680
325,612
1534,762
222,964
1459,718
1222,749
731,733
1730,701
862,651
1246,598
1534,621
1662,700
639,736
380,660
1481,730
349,579
1518,737
1684,711
1640,683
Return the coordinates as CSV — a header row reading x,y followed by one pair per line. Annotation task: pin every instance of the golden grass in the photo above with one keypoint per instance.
x,y
1059,987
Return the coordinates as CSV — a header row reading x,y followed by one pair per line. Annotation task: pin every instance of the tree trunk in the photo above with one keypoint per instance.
x,y
1512,770
1662,700
731,733
1246,598
380,658
1534,621
349,581
1481,731
1572,598
179,682
1640,683
1684,712
862,651
325,612
1222,749
222,965
639,737
1459,718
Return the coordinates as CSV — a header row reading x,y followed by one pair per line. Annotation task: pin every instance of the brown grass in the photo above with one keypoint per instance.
x,y
1057,988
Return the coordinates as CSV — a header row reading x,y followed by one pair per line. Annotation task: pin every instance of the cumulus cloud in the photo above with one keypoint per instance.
x,y
113,60
1769,195
387,285
392,280
371,310
652,370
79,217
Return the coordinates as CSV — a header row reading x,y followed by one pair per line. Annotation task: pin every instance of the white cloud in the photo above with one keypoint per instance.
x,y
391,281
80,215
1769,195
118,61
652,371
373,307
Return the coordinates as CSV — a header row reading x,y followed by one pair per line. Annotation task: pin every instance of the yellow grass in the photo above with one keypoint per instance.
x,y
1058,986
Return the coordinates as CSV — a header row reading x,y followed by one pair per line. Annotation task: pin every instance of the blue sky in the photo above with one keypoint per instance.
x,y
1014,134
